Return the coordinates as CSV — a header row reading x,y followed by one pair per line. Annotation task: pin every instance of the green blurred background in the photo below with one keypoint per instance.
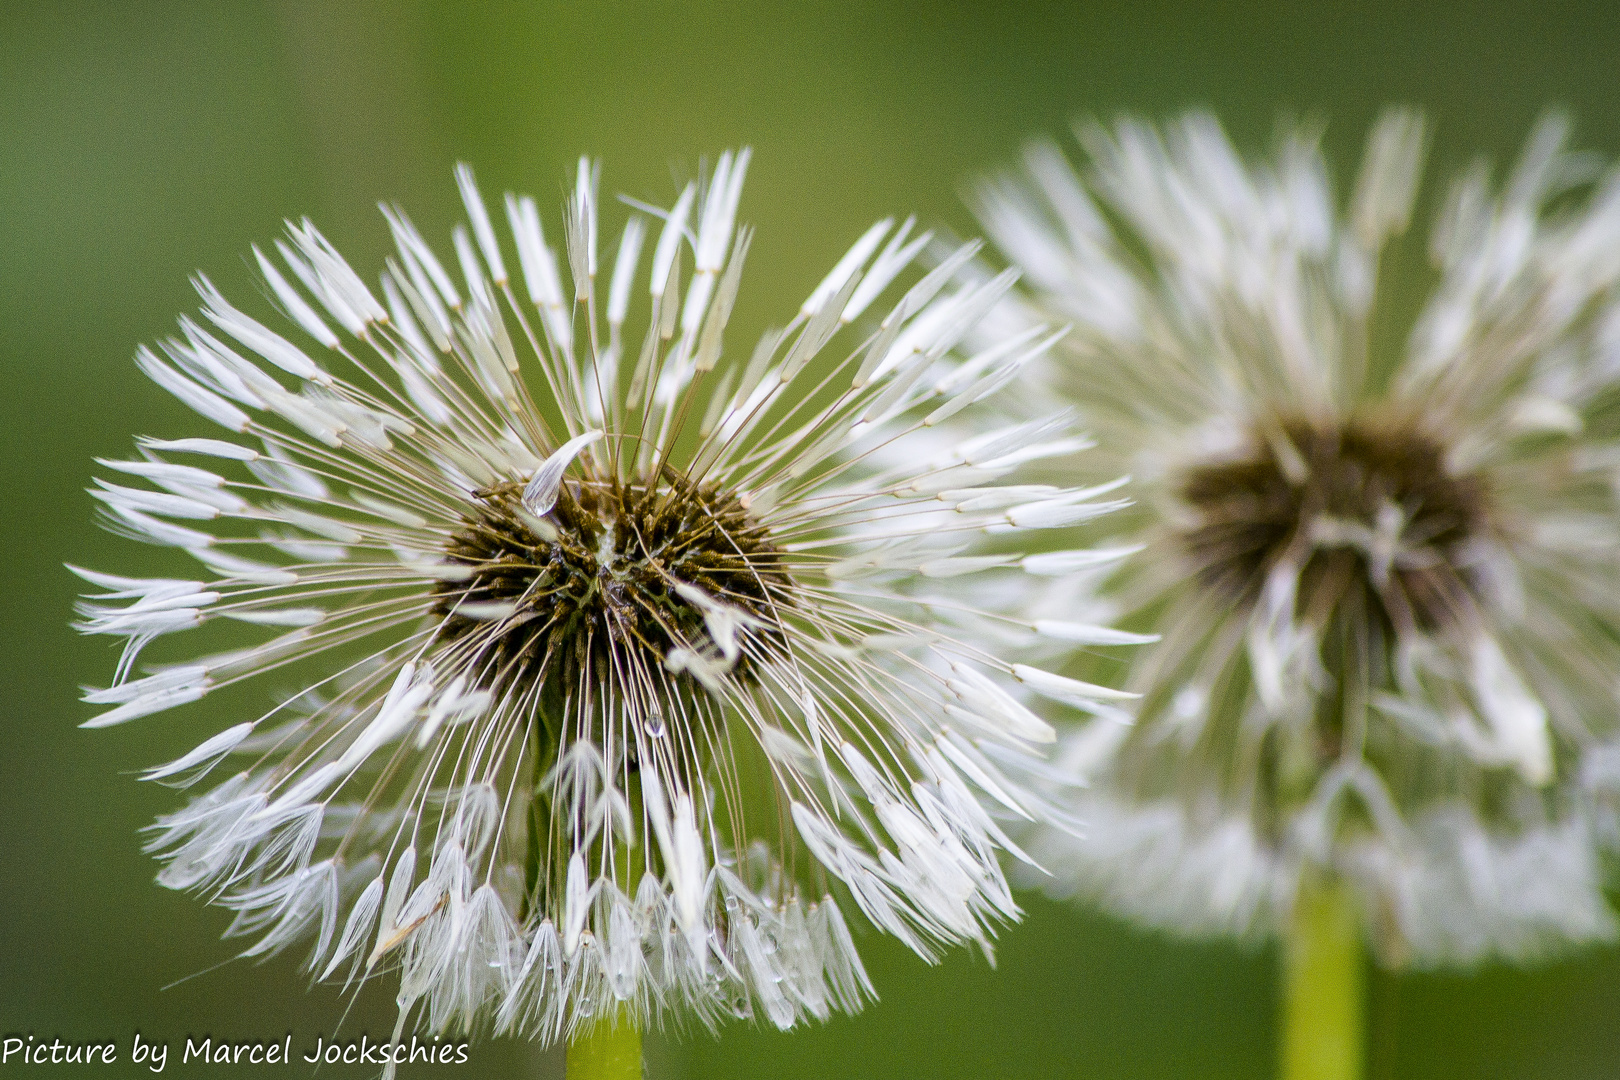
x,y
140,142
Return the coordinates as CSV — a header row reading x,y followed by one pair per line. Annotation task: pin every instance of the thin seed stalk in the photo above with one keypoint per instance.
x,y
1323,1021
609,1050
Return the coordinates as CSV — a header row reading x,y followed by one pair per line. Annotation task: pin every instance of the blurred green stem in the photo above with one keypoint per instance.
x,y
1322,1021
611,1050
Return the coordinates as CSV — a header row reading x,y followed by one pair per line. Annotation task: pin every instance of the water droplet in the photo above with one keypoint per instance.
x,y
654,725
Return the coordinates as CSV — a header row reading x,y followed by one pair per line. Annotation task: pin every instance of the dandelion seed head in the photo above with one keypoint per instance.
x,y
1380,557
624,673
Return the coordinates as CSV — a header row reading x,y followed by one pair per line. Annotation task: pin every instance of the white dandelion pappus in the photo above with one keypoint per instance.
x,y
623,675
1384,571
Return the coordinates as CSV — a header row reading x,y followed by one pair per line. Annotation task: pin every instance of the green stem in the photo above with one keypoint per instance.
x,y
1322,1022
611,1050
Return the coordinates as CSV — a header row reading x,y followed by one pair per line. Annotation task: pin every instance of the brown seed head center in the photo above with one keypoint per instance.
x,y
1364,507
599,587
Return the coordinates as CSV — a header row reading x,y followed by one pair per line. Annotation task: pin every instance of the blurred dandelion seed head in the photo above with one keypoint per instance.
x,y
1383,570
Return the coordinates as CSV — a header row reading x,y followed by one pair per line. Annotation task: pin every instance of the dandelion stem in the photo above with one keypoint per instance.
x,y
1322,1017
610,1050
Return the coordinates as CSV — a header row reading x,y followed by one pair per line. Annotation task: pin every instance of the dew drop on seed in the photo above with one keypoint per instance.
x,y
654,725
